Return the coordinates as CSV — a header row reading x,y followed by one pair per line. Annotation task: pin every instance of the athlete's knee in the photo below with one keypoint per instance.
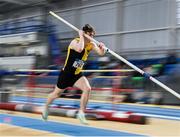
x,y
87,89
53,95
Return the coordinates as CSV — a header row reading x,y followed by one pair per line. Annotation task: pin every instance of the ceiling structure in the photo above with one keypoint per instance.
x,y
9,5
23,2
13,5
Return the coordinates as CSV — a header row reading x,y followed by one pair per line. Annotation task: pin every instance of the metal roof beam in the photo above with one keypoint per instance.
x,y
18,2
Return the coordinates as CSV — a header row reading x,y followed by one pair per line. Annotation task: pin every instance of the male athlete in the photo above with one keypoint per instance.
x,y
71,75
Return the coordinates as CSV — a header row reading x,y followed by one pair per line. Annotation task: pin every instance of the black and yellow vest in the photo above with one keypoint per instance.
x,y
75,61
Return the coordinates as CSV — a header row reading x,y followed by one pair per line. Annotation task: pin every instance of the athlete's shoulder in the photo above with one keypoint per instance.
x,y
77,39
74,41
73,44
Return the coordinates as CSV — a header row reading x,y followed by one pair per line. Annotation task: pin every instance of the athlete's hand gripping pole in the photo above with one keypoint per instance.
x,y
121,58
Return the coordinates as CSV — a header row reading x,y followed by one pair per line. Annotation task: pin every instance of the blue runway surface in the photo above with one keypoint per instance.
x,y
62,128
165,113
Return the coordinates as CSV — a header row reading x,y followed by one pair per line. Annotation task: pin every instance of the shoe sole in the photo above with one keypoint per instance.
x,y
85,123
45,119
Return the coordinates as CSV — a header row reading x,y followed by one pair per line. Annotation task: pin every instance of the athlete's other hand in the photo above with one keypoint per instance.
x,y
101,45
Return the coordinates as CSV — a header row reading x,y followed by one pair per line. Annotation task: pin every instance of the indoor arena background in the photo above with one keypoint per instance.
x,y
33,48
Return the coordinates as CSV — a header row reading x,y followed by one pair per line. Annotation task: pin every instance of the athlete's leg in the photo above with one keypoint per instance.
x,y
84,85
51,97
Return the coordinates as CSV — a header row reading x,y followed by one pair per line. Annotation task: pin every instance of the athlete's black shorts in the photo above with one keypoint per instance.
x,y
66,79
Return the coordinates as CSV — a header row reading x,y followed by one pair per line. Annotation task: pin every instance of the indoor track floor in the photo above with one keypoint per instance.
x,y
27,124
166,122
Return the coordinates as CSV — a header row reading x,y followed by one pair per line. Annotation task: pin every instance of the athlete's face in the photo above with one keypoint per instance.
x,y
91,34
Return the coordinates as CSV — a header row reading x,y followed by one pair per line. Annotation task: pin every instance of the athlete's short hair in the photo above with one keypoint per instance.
x,y
88,28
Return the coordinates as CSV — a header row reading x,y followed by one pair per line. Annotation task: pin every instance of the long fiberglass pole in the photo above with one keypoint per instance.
x,y
120,58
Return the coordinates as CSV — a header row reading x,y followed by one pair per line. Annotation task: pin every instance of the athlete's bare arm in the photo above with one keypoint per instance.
x,y
78,45
99,49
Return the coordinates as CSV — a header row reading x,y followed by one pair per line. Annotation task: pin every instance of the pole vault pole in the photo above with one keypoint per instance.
x,y
121,58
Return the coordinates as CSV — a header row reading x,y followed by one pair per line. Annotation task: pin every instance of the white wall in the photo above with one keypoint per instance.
x,y
145,14
142,15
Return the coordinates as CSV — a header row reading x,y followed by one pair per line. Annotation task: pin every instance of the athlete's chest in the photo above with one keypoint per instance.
x,y
81,55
